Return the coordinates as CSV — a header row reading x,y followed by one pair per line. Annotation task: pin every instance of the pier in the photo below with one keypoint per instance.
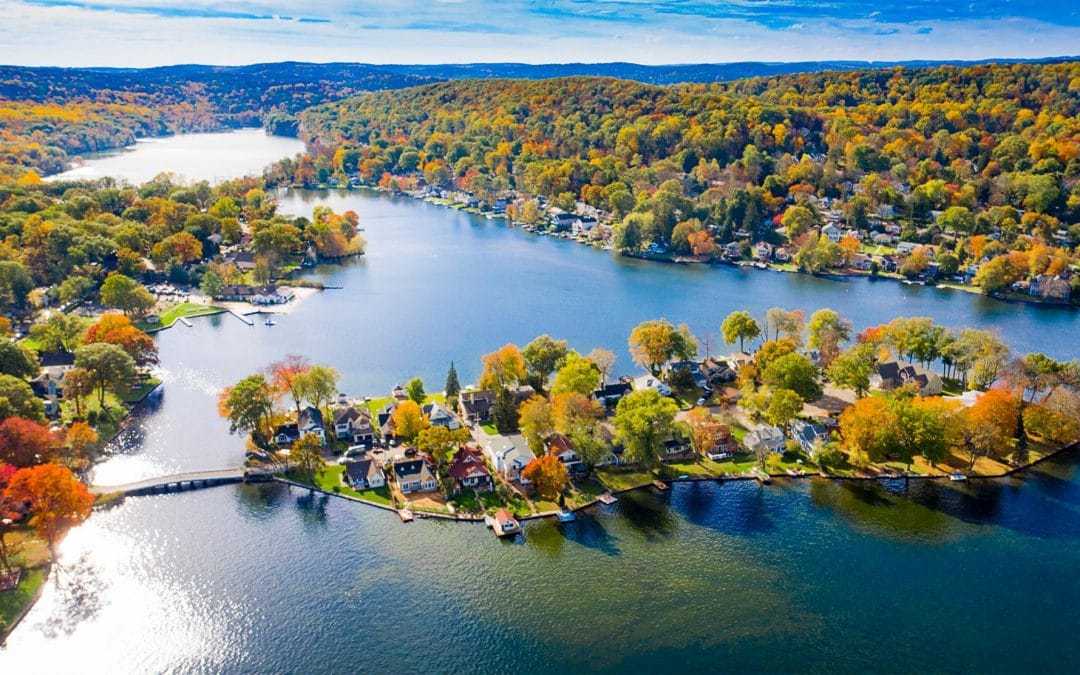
x,y
181,482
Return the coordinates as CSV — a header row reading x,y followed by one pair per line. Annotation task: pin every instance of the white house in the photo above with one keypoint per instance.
x,y
440,416
510,455
769,438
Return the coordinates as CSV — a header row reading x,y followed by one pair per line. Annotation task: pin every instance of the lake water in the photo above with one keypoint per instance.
x,y
817,576
213,157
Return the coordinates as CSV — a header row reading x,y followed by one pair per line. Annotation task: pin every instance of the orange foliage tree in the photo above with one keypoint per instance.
x,y
57,500
991,425
24,442
549,476
117,329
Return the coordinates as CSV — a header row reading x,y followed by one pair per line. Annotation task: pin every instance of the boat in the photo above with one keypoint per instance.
x,y
607,498
660,485
565,516
406,515
270,322
489,521
793,473
957,477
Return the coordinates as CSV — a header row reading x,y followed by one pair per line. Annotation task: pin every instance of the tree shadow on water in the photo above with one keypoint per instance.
x,y
589,532
311,506
648,514
79,597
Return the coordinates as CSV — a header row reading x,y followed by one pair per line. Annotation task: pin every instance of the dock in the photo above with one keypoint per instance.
x,y
763,477
565,516
660,485
504,524
406,515
607,498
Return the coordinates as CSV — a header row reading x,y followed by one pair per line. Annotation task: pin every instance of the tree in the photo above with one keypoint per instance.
x,y
290,377
16,360
867,429
548,475
543,355
249,407
797,220
110,367
828,331
643,421
784,406
740,326
576,374
701,424
439,443
453,386
126,294
991,425
795,372
78,384
57,500
80,441
535,422
320,386
60,332
408,420
852,369
414,389
505,413
17,399
605,362
211,284
307,453
503,368
652,344
25,442
783,323
118,330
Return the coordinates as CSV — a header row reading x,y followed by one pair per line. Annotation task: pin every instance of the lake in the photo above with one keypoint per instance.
x,y
812,576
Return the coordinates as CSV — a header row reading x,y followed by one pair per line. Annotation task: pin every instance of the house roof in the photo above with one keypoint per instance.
x,y
468,463
311,418
511,449
436,411
289,430
613,389
477,402
350,415
361,469
559,444
57,359
413,469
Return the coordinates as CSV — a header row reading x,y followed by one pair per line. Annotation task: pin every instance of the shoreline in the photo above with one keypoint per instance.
x,y
672,259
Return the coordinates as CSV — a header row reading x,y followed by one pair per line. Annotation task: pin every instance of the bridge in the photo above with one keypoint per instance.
x,y
181,482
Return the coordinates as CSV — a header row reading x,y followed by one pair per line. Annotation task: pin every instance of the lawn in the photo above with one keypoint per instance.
x,y
136,395
622,479
489,429
329,478
375,404
13,602
183,309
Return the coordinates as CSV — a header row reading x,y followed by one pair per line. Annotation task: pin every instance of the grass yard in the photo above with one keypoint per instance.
x,y
621,479
12,602
329,478
177,311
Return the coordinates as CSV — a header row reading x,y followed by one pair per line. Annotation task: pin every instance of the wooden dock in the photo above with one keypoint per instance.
x,y
607,498
660,485
406,515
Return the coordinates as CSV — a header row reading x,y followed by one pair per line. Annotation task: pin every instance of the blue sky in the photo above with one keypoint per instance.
x,y
133,33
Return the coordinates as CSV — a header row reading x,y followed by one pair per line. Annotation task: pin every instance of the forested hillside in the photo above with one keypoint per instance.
x,y
975,150
50,114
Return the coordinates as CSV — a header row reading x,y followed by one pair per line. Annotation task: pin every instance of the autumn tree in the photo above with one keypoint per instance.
x,y
440,443
306,452
56,500
828,331
868,430
795,372
783,407
604,359
654,343
78,384
784,324
118,330
80,441
289,377
548,475
991,425
535,422
503,368
408,420
852,369
25,442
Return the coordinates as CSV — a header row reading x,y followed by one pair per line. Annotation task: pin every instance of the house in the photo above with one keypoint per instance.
x,y
286,434
414,475
398,393
832,232
243,261
894,229
770,439
719,444
1051,287
583,226
676,446
505,523
439,416
57,364
354,424
610,394
522,393
311,422
717,371
893,375
906,247
811,436
692,367
883,239
560,446
384,418
861,262
509,455
762,252
733,250
468,470
782,254
476,406
650,382
364,474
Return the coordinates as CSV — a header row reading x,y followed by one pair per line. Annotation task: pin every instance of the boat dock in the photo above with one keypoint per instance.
x,y
406,515
607,498
660,485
